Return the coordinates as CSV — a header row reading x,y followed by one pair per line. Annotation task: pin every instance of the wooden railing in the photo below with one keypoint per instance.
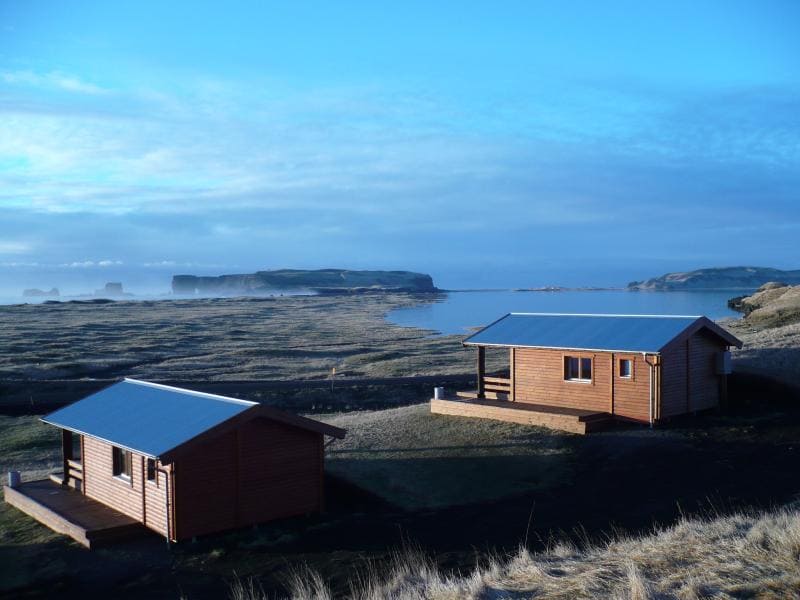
x,y
497,385
74,470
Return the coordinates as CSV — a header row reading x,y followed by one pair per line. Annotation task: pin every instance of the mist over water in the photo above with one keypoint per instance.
x,y
460,310
154,281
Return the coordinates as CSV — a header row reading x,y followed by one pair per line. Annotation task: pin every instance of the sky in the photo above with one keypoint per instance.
x,y
489,144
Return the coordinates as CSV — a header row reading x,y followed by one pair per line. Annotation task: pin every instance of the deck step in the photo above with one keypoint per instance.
x,y
563,419
69,512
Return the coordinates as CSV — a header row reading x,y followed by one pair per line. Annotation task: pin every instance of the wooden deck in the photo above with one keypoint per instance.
x,y
572,420
69,512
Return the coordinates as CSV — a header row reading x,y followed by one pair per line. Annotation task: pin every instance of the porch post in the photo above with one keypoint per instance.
x,y
481,370
66,454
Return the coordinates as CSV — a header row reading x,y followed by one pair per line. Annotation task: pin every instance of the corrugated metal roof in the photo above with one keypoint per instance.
x,y
623,333
145,417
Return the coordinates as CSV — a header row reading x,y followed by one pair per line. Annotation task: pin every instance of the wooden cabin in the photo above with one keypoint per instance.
x,y
186,463
578,372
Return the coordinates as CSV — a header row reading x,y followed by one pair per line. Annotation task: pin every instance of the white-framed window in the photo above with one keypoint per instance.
x,y
625,368
577,368
122,463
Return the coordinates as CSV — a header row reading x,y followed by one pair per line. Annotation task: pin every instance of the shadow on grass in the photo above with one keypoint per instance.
x,y
436,482
442,448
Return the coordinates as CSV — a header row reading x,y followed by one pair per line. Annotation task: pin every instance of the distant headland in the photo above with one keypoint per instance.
x,y
722,278
321,281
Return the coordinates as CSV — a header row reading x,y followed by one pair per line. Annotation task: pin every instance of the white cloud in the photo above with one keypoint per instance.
x,y
160,263
12,247
53,80
19,264
82,264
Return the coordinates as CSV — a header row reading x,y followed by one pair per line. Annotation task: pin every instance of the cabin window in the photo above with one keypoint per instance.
x,y
121,460
577,368
151,469
625,368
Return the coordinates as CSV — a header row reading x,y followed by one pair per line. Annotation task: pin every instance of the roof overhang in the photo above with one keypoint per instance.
x,y
98,438
708,324
257,411
254,410
699,323
571,349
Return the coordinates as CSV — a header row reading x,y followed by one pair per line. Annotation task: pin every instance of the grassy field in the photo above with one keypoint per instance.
x,y
291,337
29,446
417,460
774,351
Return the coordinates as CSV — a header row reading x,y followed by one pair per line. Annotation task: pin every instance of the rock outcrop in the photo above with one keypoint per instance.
x,y
773,305
37,293
111,289
320,281
726,278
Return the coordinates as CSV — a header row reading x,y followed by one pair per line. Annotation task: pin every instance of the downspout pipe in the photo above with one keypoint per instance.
x,y
651,403
166,498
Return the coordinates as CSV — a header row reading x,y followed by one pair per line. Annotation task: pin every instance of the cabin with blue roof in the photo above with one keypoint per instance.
x,y
578,372
179,462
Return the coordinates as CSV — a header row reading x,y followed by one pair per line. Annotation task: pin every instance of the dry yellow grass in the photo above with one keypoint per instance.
x,y
737,556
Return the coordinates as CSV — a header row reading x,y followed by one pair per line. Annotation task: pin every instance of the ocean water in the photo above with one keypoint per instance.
x,y
459,312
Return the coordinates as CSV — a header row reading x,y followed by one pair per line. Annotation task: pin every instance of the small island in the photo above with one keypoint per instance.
x,y
320,281
37,293
720,278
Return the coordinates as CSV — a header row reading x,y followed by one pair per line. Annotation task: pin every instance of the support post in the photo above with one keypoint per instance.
x,y
481,371
144,488
83,465
66,454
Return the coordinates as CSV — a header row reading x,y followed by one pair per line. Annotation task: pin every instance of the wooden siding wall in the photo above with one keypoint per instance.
x,y
539,379
156,502
632,396
137,498
285,478
263,470
205,482
703,378
674,397
689,381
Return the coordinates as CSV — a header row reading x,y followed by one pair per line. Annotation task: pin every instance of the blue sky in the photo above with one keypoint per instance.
x,y
489,144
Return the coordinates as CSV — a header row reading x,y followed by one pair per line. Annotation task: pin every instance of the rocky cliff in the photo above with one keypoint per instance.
x,y
727,278
773,305
320,281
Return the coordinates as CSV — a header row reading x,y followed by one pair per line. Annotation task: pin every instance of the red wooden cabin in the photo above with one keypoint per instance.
x,y
186,463
576,372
